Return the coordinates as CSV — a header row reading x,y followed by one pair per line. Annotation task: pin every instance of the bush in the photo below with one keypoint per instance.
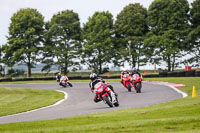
x,y
105,70
14,73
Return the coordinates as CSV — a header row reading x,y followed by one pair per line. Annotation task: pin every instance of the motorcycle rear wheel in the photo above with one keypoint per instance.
x,y
108,101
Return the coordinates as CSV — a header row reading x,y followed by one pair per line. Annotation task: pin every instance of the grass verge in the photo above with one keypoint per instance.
x,y
182,115
16,100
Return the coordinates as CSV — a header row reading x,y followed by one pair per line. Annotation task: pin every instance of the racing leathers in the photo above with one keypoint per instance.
x,y
135,72
122,74
94,82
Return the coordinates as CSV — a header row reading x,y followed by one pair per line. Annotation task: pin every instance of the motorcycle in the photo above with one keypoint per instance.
x,y
137,82
64,81
126,81
106,94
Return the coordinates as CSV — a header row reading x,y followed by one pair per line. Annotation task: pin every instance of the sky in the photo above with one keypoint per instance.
x,y
85,9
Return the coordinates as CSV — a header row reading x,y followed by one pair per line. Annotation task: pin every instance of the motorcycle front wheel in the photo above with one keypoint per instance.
x,y
63,85
129,87
69,84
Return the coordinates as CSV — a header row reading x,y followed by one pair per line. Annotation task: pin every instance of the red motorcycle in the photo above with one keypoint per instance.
x,y
137,82
106,94
126,81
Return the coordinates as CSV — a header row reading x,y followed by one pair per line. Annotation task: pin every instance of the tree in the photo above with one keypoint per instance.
x,y
62,38
1,66
194,36
130,28
25,38
168,23
0,53
97,44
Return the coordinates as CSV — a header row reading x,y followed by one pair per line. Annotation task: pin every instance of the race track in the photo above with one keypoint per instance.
x,y
80,100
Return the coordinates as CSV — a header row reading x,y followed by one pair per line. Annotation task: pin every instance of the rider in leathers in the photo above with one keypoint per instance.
x,y
94,80
135,71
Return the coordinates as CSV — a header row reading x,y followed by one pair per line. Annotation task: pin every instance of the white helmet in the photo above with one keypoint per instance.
x,y
93,76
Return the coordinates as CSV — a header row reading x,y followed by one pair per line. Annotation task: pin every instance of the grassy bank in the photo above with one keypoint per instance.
x,y
182,115
16,100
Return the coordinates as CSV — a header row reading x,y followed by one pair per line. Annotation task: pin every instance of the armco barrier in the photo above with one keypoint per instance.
x,y
190,73
6,80
85,78
197,73
154,75
146,76
75,78
180,74
110,77
162,74
171,74
30,79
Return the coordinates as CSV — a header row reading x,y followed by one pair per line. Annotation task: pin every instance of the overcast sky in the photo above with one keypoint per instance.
x,y
47,8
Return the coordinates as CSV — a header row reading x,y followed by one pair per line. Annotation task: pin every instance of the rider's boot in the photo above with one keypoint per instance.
x,y
112,94
112,90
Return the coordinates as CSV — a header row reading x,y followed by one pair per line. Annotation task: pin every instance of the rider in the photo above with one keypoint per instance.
x,y
122,74
135,71
94,80
58,76
65,80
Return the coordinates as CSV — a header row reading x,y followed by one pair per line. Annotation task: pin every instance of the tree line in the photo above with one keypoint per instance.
x,y
165,32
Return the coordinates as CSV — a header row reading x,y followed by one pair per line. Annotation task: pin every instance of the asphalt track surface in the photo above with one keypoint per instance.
x,y
80,100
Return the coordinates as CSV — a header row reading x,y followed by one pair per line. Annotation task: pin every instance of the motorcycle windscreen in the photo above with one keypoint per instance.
x,y
98,88
135,77
125,75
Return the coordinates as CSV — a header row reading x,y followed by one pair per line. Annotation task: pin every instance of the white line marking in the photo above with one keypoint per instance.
x,y
171,85
179,91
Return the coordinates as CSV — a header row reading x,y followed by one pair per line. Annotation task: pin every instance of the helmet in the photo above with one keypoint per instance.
x,y
93,76
134,70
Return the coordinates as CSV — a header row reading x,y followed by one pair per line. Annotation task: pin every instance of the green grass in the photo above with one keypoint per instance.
x,y
16,100
182,115
24,82
187,81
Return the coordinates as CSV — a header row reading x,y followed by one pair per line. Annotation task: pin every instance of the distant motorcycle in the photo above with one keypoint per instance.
x,y
137,82
126,78
106,94
64,81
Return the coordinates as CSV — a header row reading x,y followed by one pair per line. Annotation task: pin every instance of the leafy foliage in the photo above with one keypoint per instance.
x,y
62,38
194,36
130,29
138,36
0,53
25,38
168,21
97,36
1,64
14,73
